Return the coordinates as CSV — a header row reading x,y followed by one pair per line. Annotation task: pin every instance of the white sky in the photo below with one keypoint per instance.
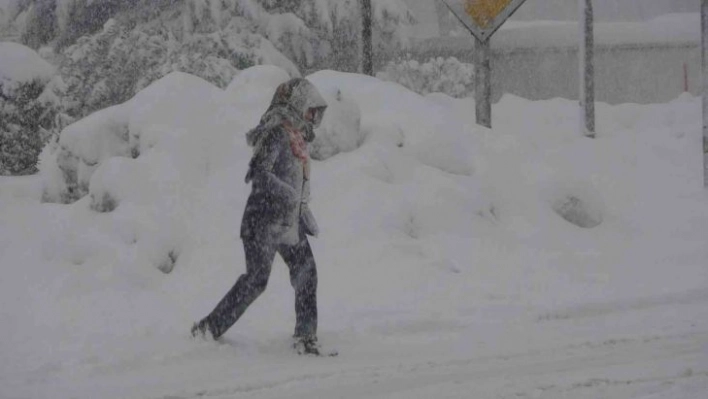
x,y
560,8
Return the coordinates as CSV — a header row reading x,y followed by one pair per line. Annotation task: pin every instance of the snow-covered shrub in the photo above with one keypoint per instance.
x,y
392,24
315,34
27,108
84,145
438,75
290,34
61,22
122,131
108,50
39,24
338,24
90,68
146,160
111,66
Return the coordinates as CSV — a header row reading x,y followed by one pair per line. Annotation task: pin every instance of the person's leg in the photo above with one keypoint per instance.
x,y
259,259
303,277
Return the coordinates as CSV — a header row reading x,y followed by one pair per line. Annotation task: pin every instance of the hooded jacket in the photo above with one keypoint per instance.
x,y
277,207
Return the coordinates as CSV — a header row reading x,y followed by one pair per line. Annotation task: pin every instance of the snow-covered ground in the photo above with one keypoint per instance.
x,y
445,266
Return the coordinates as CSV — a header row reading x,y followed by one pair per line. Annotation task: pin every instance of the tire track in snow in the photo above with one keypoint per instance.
x,y
592,359
601,309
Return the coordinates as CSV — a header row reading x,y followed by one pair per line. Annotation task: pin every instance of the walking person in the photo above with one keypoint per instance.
x,y
277,218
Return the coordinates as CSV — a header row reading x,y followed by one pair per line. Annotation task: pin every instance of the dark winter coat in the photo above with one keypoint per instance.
x,y
277,207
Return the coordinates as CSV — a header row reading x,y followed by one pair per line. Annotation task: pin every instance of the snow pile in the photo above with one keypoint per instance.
x,y
20,64
153,156
525,259
340,130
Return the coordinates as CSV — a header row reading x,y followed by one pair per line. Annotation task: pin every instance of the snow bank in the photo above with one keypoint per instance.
x,y
386,106
439,240
340,130
150,155
408,167
155,153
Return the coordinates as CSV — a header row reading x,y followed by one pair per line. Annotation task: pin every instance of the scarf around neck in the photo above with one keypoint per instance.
x,y
299,131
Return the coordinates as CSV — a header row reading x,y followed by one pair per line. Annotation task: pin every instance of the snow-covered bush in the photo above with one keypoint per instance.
x,y
67,167
438,75
111,66
101,70
149,160
315,34
158,121
27,108
392,23
108,50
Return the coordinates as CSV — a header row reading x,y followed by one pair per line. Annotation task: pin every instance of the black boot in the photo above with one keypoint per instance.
x,y
306,345
201,330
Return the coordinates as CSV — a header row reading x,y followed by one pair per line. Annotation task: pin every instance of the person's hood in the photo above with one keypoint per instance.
x,y
290,102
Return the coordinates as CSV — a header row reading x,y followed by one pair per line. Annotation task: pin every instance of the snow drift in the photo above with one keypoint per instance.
x,y
445,249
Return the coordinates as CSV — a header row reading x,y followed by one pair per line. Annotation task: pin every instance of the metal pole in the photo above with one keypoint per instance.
x,y
586,55
704,54
483,84
367,67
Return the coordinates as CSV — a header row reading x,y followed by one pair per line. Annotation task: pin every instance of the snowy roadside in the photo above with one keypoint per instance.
x,y
450,261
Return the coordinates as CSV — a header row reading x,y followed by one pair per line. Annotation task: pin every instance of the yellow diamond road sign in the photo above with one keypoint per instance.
x,y
483,17
484,12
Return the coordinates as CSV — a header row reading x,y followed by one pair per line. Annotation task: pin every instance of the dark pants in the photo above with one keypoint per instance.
x,y
259,259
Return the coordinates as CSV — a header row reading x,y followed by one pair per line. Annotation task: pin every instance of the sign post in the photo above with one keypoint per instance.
x,y
704,46
586,54
482,18
483,84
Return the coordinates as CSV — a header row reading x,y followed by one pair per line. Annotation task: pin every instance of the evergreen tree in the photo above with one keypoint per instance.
x,y
26,122
107,50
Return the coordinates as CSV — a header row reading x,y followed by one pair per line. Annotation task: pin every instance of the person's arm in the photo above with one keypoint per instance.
x,y
261,167
306,216
308,220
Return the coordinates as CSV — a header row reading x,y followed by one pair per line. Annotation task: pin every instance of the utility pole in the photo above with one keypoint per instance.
x,y
704,52
586,54
367,65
